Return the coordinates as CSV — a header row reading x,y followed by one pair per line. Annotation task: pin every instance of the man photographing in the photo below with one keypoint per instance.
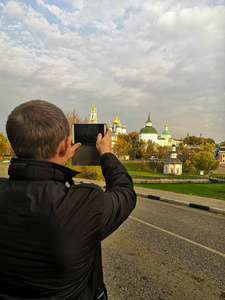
x,y
50,234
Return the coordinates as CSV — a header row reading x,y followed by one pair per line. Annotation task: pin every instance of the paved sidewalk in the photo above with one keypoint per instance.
x,y
209,204
204,203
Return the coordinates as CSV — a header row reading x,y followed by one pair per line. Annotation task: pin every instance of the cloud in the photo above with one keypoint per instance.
x,y
14,10
126,56
89,12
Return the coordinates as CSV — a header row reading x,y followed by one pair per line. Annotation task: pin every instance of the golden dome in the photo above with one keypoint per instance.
x,y
93,107
116,121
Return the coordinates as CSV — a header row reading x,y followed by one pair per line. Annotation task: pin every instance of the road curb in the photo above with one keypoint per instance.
x,y
189,204
173,201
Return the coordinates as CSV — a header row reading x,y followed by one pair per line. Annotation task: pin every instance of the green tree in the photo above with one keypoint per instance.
x,y
188,167
208,147
210,141
203,160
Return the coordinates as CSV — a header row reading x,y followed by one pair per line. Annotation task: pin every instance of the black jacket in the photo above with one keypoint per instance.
x,y
50,234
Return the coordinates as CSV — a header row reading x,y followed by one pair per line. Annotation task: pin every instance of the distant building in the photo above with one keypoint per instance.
x,y
222,156
117,129
165,139
150,133
172,165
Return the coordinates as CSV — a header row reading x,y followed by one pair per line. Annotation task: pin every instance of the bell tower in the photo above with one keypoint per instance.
x,y
93,119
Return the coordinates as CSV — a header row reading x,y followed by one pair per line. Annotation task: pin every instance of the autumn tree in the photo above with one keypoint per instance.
x,y
163,152
210,141
191,140
73,118
194,141
141,149
150,148
134,135
183,153
134,145
122,145
3,144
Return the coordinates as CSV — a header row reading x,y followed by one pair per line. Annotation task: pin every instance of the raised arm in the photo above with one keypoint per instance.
x,y
119,199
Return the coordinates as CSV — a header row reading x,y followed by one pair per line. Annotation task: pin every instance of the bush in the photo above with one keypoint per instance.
x,y
87,172
90,172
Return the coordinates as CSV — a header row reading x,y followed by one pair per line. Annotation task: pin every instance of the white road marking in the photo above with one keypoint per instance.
x,y
180,237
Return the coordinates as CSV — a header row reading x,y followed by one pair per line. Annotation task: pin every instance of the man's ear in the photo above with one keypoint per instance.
x,y
63,146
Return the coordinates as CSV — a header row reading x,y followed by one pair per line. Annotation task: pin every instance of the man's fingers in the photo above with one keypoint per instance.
x,y
99,137
76,146
109,132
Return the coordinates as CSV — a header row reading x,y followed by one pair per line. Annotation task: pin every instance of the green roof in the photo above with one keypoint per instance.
x,y
166,132
148,129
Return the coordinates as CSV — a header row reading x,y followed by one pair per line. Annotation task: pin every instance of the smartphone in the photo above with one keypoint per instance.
x,y
86,134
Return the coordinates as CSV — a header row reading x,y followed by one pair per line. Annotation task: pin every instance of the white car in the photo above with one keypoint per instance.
x,y
152,157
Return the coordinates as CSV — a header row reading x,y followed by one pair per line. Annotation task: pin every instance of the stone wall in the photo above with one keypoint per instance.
x,y
198,180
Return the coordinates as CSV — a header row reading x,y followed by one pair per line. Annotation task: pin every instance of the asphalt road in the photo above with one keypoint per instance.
x,y
166,252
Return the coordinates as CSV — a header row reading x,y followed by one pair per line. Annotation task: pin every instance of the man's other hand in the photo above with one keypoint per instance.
x,y
72,148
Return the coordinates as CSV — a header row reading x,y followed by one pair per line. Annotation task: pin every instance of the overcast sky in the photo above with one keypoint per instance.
x,y
125,56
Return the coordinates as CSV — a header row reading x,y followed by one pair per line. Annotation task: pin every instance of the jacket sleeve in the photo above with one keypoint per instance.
x,y
119,199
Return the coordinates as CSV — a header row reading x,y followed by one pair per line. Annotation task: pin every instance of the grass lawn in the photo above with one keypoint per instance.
x,y
218,175
211,190
139,174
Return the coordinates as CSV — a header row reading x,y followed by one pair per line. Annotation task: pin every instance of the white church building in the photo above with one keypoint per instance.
x,y
150,133
172,165
117,127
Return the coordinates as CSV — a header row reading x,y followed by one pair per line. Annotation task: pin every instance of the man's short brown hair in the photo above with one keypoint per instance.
x,y
36,128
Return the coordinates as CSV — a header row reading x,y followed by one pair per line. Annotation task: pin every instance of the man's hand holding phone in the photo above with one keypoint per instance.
x,y
104,144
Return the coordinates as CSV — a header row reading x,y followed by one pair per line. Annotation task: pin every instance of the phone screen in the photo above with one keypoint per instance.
x,y
86,134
